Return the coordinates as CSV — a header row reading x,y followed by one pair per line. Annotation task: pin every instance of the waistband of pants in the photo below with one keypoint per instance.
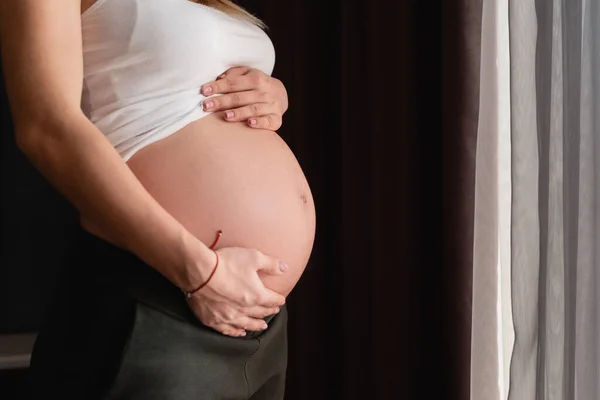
x,y
94,264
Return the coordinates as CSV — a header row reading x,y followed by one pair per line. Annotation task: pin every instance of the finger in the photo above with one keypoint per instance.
x,y
231,84
269,121
255,110
270,265
249,324
259,311
234,100
233,71
269,298
229,330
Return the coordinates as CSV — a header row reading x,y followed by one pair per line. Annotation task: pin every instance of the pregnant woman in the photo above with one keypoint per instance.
x,y
196,219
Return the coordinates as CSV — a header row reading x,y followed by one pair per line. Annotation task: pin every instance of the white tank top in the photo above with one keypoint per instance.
x,y
145,61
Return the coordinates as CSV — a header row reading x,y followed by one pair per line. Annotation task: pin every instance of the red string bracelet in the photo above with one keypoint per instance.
x,y
212,246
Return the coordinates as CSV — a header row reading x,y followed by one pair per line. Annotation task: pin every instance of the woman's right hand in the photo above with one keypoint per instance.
x,y
235,299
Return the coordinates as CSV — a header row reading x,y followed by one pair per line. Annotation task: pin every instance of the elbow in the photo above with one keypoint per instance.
x,y
38,143
26,127
31,136
24,140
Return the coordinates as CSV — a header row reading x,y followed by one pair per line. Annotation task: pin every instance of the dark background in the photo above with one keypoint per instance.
x,y
382,118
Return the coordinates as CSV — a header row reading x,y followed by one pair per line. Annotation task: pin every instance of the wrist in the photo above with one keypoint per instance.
x,y
198,264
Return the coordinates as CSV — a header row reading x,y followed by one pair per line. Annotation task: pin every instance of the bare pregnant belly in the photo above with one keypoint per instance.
x,y
214,175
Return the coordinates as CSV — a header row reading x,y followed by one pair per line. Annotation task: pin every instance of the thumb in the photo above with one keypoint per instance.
x,y
272,266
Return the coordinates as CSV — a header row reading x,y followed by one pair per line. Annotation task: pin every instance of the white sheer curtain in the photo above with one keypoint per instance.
x,y
536,284
492,329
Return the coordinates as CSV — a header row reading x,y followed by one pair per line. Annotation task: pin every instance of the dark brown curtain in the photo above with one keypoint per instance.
x,y
382,118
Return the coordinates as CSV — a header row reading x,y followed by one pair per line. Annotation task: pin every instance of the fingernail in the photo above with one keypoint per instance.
x,y
277,310
208,105
283,266
229,114
207,90
265,326
221,76
252,122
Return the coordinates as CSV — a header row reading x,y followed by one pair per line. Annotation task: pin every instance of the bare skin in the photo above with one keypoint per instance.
x,y
215,175
42,62
269,204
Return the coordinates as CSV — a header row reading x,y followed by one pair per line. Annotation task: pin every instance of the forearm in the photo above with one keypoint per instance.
x,y
84,167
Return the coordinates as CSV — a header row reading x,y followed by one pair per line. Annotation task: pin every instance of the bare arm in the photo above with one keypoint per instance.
x,y
42,61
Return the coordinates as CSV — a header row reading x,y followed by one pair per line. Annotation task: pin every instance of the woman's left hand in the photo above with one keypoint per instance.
x,y
248,94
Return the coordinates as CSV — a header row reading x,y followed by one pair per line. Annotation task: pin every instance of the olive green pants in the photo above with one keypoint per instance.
x,y
170,359
99,341
139,352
